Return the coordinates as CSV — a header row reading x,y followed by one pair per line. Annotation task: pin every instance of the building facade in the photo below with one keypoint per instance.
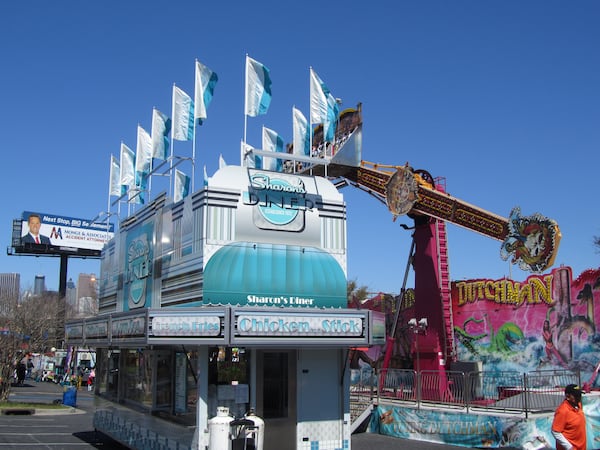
x,y
234,297
39,285
10,291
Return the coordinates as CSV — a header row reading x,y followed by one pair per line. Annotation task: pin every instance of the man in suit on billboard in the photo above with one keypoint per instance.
x,y
34,237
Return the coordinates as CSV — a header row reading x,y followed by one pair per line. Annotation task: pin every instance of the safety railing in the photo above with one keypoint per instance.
x,y
363,387
509,391
135,432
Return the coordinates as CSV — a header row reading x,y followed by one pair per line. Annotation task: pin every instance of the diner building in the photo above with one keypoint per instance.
x,y
235,296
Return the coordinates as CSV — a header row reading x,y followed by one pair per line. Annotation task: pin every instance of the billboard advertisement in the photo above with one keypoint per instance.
x,y
49,233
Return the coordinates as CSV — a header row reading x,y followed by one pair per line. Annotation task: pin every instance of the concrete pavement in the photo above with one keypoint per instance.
x,y
73,428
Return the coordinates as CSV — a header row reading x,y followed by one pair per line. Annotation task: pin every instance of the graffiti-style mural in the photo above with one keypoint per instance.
x,y
475,430
546,321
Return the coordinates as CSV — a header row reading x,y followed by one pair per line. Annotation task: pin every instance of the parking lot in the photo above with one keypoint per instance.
x,y
74,429
48,429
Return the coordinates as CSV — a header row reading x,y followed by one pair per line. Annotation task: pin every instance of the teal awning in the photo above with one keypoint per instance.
x,y
260,274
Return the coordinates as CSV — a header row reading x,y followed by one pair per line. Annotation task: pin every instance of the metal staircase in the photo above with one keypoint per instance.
x,y
444,281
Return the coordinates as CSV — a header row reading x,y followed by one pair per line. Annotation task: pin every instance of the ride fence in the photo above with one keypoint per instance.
x,y
531,392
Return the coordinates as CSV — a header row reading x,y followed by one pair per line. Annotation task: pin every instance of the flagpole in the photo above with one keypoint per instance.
x,y
108,202
194,129
172,140
310,126
193,152
150,168
245,112
109,189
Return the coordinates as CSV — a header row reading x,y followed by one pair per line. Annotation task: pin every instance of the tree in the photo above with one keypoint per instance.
x,y
356,295
33,325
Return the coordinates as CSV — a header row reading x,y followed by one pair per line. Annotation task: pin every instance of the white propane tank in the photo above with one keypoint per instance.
x,y
218,430
260,429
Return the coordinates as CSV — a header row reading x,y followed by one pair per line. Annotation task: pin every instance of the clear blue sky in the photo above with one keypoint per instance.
x,y
502,98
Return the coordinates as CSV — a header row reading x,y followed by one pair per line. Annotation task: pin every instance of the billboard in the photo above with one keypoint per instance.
x,y
42,233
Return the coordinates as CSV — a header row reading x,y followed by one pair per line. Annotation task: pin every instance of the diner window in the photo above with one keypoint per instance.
x,y
228,379
137,377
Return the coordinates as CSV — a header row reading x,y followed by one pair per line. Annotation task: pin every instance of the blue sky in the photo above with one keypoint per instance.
x,y
502,98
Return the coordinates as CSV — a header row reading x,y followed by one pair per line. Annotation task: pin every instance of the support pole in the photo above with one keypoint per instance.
x,y
62,284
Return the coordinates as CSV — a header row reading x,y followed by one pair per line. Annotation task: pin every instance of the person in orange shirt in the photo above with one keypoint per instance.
x,y
568,426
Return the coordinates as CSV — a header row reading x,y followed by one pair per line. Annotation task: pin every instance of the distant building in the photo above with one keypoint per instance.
x,y
71,298
39,285
86,297
9,291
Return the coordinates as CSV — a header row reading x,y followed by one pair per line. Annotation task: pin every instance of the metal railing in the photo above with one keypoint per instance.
x,y
531,392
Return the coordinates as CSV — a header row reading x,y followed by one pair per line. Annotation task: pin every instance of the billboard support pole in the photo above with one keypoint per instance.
x,y
62,284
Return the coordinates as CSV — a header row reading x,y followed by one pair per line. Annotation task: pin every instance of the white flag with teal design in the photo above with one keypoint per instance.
x,y
183,115
258,88
246,157
115,187
182,186
271,142
161,127
323,106
143,153
206,80
301,133
127,175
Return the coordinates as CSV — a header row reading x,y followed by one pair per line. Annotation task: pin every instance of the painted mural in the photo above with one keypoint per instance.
x,y
478,430
544,322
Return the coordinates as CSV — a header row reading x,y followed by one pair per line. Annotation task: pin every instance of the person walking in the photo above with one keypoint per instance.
x,y
21,371
568,426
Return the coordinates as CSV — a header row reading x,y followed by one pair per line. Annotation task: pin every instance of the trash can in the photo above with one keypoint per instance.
x,y
70,396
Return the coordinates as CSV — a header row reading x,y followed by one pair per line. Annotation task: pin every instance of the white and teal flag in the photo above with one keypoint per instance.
x,y
182,186
205,176
143,154
161,127
141,189
115,171
206,80
183,115
323,106
272,142
333,113
301,133
318,99
127,172
258,88
256,162
246,156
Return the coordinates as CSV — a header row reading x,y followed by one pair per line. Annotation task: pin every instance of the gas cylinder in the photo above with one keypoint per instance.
x,y
218,430
259,437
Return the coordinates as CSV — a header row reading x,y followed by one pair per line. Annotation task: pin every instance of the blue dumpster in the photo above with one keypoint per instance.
x,y
70,396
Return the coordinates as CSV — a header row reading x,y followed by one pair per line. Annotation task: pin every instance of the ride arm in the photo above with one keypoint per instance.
x,y
532,241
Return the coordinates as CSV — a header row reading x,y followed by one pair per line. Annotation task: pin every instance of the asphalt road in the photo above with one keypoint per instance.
x,y
48,430
74,430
